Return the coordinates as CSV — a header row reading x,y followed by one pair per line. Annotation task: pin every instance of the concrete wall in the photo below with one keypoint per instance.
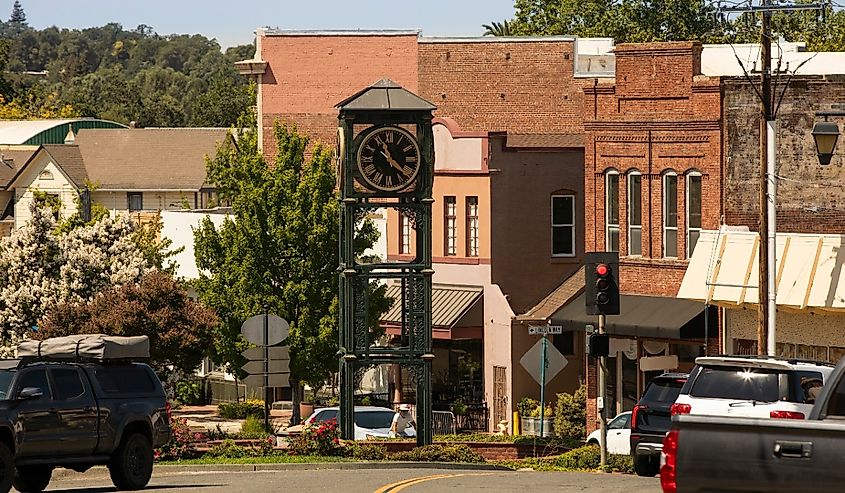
x,y
179,227
809,196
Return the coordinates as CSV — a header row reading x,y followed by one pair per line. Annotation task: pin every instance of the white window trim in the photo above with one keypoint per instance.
x,y
665,207
607,226
472,227
568,224
450,220
639,227
404,234
701,201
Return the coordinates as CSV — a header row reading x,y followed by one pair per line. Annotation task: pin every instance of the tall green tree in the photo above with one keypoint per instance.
x,y
279,249
497,28
18,17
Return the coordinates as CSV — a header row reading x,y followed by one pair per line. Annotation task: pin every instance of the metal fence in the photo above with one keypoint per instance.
x,y
443,423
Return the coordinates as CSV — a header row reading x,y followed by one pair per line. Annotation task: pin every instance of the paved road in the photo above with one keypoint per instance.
x,y
367,481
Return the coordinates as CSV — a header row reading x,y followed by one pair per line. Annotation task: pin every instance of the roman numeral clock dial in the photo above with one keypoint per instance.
x,y
389,158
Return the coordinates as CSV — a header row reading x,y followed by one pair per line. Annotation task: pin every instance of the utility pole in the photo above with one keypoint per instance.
x,y
767,289
603,399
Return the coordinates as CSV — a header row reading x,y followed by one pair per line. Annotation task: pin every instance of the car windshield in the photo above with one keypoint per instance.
x,y
5,382
374,419
737,383
663,390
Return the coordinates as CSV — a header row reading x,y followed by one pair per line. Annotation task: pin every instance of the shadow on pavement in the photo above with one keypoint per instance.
x,y
109,489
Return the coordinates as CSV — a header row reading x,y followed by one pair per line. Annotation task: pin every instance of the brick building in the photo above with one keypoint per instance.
x,y
508,145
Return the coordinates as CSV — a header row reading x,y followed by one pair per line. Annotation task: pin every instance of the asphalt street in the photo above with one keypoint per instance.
x,y
366,481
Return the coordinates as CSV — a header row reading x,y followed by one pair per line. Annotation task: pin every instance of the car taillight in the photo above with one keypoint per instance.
x,y
680,409
786,415
634,414
668,461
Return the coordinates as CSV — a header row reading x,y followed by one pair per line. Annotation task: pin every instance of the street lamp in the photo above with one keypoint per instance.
x,y
825,134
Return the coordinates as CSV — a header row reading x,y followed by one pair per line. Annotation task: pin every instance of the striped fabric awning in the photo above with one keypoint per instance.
x,y
449,304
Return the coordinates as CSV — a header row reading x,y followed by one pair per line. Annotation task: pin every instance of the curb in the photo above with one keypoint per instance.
x,y
163,470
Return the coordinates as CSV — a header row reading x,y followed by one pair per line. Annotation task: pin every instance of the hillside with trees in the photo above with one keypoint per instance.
x,y
117,74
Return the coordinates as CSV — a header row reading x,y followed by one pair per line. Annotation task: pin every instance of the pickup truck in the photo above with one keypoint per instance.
x,y
740,454
78,415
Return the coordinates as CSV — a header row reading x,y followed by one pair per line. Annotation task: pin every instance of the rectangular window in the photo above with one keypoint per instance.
x,y
693,212
472,226
129,379
68,384
135,201
450,222
635,220
670,216
611,207
563,225
565,343
404,234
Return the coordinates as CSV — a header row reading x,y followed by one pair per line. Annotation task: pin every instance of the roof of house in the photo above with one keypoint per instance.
x,y
147,159
545,141
18,132
69,160
10,161
562,295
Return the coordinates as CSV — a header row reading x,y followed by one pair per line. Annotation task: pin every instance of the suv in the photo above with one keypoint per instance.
x,y
77,415
650,421
752,386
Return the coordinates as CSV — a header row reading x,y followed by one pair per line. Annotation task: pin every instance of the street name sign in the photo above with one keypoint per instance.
x,y
274,380
545,329
275,366
278,330
257,353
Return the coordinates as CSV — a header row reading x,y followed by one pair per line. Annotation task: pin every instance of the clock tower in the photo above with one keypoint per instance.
x,y
385,160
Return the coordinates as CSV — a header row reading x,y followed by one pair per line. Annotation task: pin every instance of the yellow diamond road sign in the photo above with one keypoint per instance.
x,y
555,362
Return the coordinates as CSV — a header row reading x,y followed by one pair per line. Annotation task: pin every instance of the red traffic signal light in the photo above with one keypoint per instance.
x,y
602,270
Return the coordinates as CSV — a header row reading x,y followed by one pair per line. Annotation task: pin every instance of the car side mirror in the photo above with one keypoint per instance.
x,y
30,393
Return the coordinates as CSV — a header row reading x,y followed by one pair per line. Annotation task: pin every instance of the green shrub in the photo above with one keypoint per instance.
x,y
252,427
526,405
228,449
366,401
440,453
322,439
586,457
619,463
571,415
240,410
547,412
367,451
190,392
475,437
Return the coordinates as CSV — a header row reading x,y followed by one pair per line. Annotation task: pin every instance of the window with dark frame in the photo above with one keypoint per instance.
x,y
635,220
564,342
612,211
563,225
693,211
670,215
450,222
404,234
135,201
472,226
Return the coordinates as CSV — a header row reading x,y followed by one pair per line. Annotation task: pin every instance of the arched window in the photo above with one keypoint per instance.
x,y
635,213
693,210
45,175
670,215
611,211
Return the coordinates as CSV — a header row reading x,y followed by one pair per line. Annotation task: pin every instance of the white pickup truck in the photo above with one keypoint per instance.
x,y
752,387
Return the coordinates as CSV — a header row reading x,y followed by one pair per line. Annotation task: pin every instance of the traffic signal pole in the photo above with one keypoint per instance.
x,y
602,399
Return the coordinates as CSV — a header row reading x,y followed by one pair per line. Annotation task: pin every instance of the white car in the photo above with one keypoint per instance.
x,y
618,435
752,387
370,421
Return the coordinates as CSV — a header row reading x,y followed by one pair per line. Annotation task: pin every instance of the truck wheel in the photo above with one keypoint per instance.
x,y
32,479
7,468
645,465
131,464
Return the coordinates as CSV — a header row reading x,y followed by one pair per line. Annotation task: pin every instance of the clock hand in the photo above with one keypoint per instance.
x,y
390,159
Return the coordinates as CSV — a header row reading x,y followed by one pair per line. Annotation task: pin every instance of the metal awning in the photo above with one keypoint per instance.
x,y
724,270
385,95
642,316
451,305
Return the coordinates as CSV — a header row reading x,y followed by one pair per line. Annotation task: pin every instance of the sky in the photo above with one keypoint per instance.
x,y
233,23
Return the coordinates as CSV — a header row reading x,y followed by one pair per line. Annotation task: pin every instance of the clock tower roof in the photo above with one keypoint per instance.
x,y
385,95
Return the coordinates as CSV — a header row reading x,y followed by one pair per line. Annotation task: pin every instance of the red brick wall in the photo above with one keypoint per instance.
x,y
809,196
522,87
659,116
307,76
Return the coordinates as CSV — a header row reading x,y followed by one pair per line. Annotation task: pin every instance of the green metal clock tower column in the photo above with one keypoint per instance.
x,y
386,160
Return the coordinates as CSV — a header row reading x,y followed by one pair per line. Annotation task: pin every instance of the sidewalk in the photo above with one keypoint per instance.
x,y
206,418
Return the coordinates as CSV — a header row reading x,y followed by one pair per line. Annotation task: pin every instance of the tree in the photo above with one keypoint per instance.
x,y
42,267
280,249
497,29
18,17
180,329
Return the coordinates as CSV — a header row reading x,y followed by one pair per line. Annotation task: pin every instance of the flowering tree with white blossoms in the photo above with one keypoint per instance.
x,y
41,268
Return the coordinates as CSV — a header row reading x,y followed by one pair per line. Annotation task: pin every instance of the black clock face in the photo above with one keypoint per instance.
x,y
389,158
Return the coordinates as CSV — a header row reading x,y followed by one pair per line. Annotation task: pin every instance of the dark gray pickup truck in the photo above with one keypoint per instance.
x,y
705,454
77,415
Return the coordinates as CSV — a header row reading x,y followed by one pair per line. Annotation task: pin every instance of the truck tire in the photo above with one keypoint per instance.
x,y
32,479
7,468
645,465
131,464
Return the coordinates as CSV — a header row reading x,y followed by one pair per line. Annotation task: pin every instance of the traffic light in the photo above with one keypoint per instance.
x,y
602,286
599,345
